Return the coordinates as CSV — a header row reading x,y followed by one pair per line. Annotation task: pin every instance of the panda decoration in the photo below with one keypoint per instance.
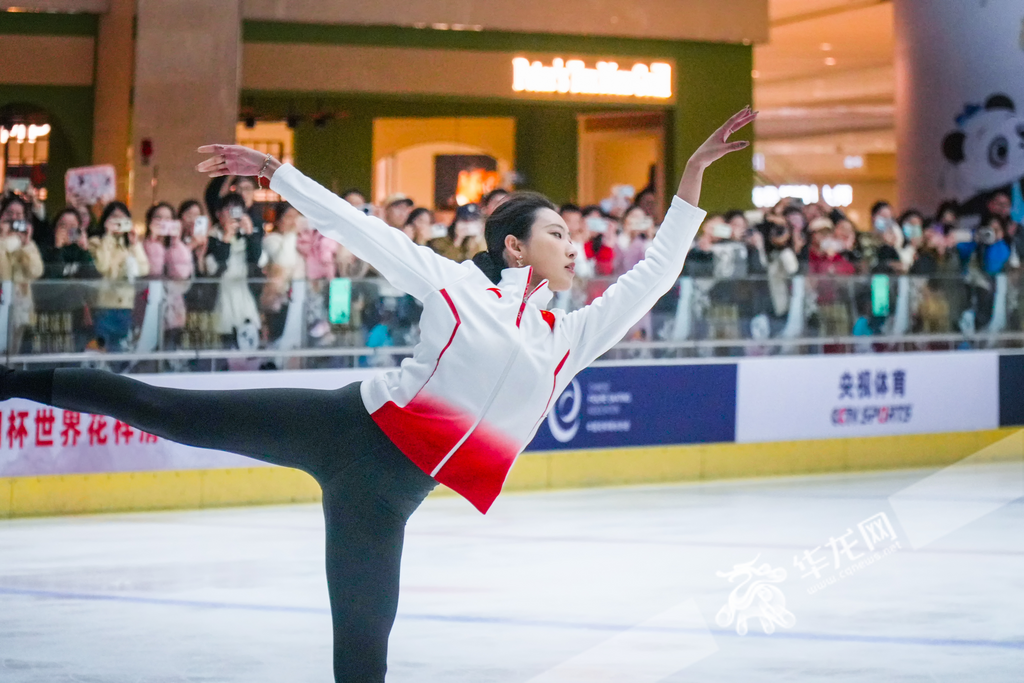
x,y
987,153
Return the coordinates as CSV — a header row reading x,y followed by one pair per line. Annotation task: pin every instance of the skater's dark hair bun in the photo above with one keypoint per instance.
x,y
514,216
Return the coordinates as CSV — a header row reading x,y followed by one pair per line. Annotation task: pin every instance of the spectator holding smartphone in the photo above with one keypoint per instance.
x,y
69,256
234,254
171,260
465,238
195,229
120,259
20,262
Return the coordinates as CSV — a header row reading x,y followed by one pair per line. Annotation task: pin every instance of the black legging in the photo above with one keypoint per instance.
x,y
370,488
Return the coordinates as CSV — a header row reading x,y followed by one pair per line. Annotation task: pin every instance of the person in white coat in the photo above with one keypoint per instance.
x,y
490,361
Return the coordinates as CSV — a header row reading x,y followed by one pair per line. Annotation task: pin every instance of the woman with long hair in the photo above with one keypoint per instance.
x,y
489,364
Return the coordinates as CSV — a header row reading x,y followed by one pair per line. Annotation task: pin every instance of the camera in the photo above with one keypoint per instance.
x,y
986,236
237,212
201,226
122,225
19,226
779,230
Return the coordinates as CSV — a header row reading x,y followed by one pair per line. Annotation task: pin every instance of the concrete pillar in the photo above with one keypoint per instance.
x,y
187,80
959,102
115,57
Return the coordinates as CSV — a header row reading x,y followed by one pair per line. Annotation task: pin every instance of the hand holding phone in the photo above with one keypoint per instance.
x,y
201,227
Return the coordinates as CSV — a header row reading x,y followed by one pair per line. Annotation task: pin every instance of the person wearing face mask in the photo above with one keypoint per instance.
x,y
912,226
826,259
465,238
21,263
120,260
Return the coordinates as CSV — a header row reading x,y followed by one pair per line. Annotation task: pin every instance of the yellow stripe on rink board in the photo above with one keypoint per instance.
x,y
131,491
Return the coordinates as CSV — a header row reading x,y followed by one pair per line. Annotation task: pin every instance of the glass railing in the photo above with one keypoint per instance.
x,y
203,325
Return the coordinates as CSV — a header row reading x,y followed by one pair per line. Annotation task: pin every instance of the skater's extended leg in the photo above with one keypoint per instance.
x,y
299,428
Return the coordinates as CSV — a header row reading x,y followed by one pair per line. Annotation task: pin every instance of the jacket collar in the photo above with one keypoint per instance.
x,y
516,280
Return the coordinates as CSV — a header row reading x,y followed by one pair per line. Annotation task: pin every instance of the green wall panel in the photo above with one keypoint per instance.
x,y
48,24
712,82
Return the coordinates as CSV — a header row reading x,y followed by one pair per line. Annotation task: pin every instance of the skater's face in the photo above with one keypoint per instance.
x,y
548,250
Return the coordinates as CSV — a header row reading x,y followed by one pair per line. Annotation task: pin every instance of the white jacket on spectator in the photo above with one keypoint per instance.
x,y
282,249
490,360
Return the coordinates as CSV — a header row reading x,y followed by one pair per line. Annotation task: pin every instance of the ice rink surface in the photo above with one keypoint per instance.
x,y
604,585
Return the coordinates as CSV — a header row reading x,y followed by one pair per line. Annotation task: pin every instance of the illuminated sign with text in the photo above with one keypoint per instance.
x,y
573,77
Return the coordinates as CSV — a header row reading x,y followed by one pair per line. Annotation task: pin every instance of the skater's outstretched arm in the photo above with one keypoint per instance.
x,y
412,268
596,328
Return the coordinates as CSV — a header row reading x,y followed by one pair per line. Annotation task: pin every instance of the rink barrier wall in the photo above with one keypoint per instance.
x,y
534,471
615,424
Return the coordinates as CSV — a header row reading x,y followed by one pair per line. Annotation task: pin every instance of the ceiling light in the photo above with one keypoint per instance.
x,y
826,47
755,74
830,61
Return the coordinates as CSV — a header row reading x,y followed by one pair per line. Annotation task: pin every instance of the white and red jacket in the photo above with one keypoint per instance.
x,y
490,360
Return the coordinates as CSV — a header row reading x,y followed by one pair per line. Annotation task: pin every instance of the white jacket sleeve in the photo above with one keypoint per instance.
x,y
596,328
412,268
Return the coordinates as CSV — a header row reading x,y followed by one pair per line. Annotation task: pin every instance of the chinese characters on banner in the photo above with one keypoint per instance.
x,y
883,394
874,387
40,428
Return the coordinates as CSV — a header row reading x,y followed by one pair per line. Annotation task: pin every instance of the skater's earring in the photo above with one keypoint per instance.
x,y
519,261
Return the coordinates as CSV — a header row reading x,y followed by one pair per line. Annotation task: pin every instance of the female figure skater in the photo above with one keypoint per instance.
x,y
481,380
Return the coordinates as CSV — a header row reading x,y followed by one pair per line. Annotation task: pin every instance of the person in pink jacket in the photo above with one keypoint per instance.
x,y
490,361
170,259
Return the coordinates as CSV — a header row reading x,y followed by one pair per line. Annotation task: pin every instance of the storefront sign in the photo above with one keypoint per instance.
x,y
573,77
789,399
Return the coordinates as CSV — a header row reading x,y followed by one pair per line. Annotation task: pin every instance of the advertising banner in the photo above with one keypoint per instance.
x,y
784,399
611,407
38,440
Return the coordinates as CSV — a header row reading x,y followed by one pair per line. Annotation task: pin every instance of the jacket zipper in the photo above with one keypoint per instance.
x,y
501,380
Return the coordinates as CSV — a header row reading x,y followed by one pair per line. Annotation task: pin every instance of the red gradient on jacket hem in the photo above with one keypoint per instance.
x,y
428,428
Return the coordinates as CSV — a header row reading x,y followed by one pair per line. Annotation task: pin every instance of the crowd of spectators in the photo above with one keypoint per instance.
x,y
228,267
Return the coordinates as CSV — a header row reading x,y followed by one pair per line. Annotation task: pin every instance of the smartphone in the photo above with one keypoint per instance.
x,y
473,228
339,301
19,226
237,212
172,228
438,230
880,296
201,226
722,231
961,236
123,225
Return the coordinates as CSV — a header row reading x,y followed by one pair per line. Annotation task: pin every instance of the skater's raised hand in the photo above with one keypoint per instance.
x,y
718,145
236,160
713,149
